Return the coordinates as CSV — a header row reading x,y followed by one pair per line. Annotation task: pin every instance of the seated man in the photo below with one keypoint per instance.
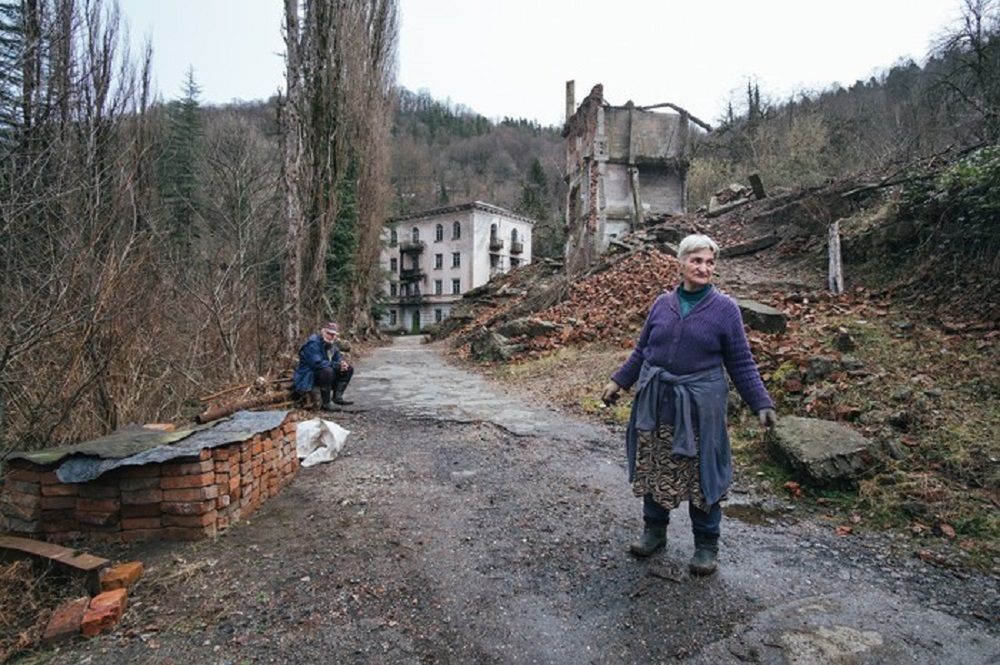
x,y
321,366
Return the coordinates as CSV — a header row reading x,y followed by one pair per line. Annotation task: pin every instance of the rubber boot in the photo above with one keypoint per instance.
x,y
327,404
706,550
338,395
653,538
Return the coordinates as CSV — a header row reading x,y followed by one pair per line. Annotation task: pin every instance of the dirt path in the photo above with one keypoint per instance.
x,y
464,525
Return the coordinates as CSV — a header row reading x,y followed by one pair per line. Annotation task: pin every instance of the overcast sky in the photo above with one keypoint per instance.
x,y
513,57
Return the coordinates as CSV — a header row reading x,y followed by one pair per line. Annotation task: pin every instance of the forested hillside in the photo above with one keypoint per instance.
x,y
450,154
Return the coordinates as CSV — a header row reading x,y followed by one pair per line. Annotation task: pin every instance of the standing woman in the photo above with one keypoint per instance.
x,y
677,443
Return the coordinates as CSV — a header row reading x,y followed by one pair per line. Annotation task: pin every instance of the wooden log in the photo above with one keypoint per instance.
x,y
224,410
750,246
757,186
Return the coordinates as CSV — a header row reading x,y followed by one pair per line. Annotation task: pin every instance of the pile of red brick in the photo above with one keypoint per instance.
x,y
92,616
183,499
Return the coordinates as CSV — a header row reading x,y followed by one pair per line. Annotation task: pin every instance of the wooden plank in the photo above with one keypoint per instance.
x,y
78,562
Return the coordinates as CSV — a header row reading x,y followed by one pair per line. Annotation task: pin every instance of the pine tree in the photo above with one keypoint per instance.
x,y
178,172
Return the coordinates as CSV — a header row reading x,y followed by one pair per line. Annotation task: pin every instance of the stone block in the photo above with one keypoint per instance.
x,y
144,471
187,507
134,484
204,519
141,510
59,525
187,468
139,497
58,502
16,524
23,474
761,317
122,576
22,486
65,621
181,482
17,511
821,452
223,501
98,505
190,533
105,612
151,522
31,501
191,494
98,519
92,491
140,535
60,489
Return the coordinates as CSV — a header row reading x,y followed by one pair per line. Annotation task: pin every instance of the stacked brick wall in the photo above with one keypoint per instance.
x,y
184,499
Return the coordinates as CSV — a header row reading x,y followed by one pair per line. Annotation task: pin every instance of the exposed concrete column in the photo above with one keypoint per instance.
x,y
570,99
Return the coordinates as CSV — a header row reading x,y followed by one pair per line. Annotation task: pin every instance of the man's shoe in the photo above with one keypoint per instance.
x,y
653,538
329,406
706,551
338,396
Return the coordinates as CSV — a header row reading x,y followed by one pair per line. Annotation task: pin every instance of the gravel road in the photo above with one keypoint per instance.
x,y
462,524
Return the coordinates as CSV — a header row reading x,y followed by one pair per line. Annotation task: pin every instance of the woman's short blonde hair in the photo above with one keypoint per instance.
x,y
695,243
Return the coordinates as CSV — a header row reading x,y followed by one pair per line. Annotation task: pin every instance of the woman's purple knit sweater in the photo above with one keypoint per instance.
x,y
710,335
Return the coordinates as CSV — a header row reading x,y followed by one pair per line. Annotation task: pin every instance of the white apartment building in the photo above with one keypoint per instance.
x,y
433,257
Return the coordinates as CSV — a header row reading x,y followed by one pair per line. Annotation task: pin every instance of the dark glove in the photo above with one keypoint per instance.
x,y
768,418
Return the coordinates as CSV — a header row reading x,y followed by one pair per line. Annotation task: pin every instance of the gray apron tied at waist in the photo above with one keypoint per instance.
x,y
707,393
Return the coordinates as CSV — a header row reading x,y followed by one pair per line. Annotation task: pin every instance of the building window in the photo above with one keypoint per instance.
x,y
513,236
514,263
438,315
392,238
493,231
456,287
494,260
393,265
414,263
392,289
456,259
438,287
456,231
438,233
392,317
415,234
438,261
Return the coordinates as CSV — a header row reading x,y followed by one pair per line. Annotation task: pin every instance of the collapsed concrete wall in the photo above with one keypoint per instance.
x,y
623,164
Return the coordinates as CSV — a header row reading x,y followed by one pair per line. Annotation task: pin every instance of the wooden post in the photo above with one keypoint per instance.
x,y
757,186
836,280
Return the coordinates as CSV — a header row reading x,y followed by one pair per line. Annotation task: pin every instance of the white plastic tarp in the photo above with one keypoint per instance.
x,y
319,440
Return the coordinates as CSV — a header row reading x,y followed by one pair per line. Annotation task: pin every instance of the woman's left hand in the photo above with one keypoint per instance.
x,y
768,418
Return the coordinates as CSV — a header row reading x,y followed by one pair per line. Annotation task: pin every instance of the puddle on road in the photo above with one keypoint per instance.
x,y
754,515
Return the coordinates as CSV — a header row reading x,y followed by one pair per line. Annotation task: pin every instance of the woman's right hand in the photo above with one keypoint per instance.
x,y
611,393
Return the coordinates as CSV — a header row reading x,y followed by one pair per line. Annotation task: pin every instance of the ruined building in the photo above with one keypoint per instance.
x,y
624,164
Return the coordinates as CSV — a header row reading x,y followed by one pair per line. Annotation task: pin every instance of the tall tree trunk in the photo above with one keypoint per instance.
x,y
292,147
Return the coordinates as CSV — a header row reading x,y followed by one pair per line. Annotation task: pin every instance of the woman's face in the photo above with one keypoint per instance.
x,y
697,269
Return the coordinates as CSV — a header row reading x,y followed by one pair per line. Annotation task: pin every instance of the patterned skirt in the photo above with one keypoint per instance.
x,y
669,478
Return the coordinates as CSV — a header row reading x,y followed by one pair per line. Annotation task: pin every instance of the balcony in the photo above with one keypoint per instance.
x,y
516,247
410,299
496,244
411,246
411,274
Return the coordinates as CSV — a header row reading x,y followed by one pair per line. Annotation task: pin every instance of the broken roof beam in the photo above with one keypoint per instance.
x,y
704,125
